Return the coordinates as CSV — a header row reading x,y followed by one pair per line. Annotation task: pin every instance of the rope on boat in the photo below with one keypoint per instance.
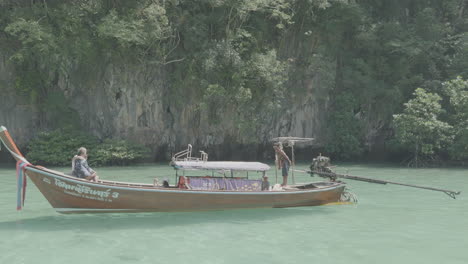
x,y
20,177
21,165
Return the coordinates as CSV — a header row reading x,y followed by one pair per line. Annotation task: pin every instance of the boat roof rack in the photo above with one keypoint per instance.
x,y
220,165
291,140
186,155
183,160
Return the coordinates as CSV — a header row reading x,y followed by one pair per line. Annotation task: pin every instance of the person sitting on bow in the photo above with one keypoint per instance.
x,y
80,167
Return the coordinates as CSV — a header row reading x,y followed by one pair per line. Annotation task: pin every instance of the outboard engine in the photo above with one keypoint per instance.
x,y
321,164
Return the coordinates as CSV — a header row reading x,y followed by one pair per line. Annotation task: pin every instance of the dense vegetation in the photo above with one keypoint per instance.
x,y
429,131
252,57
58,147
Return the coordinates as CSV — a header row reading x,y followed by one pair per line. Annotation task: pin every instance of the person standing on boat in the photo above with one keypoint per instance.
x,y
284,162
80,167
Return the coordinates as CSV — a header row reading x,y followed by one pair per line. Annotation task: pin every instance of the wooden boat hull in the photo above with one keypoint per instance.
x,y
72,195
69,194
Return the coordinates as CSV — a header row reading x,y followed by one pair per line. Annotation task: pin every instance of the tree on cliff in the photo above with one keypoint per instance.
x,y
457,92
244,65
419,129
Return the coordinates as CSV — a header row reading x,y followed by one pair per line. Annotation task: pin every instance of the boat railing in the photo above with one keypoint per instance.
x,y
186,155
204,155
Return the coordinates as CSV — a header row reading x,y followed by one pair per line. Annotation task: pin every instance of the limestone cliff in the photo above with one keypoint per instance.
x,y
132,102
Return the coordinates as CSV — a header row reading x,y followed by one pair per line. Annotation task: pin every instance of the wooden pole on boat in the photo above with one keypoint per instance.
x,y
276,167
333,176
293,161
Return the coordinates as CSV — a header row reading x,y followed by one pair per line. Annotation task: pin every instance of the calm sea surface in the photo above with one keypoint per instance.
x,y
389,224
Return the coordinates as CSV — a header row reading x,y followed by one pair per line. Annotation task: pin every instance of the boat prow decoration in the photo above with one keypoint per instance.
x,y
10,145
21,164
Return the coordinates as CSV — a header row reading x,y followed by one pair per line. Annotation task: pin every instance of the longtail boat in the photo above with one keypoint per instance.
x,y
225,190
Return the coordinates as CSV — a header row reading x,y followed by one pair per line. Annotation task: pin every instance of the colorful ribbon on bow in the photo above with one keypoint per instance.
x,y
21,184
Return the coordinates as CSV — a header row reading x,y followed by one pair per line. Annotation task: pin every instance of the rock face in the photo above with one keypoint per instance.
x,y
15,113
134,103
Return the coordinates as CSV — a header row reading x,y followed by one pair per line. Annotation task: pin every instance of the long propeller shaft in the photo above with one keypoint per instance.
x,y
450,193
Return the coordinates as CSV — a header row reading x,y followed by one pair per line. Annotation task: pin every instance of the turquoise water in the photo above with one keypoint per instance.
x,y
389,224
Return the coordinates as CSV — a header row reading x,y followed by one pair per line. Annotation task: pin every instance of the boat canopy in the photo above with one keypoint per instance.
x,y
220,165
291,140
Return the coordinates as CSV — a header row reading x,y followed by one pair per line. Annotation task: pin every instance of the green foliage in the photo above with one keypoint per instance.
x,y
142,27
426,129
419,128
267,75
58,147
118,152
249,88
249,60
457,92
35,39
